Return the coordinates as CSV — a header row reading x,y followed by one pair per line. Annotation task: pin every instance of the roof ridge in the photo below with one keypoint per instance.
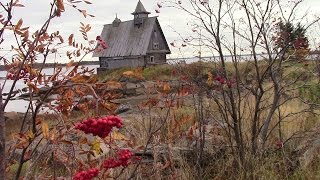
x,y
131,20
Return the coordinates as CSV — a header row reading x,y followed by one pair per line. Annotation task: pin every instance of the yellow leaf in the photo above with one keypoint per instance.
x,y
53,134
118,136
210,79
33,72
30,135
95,146
45,129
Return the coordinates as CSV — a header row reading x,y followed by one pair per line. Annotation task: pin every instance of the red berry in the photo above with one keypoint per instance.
x,y
99,127
123,159
86,175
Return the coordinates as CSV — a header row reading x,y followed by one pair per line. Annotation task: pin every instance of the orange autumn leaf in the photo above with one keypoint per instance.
x,y
54,77
25,35
22,144
45,129
19,24
40,78
184,91
79,79
79,91
113,85
151,102
166,87
83,140
83,107
128,73
69,64
33,87
108,106
60,5
70,39
16,4
134,74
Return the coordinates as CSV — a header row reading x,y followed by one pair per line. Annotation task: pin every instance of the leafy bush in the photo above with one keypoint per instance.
x,y
311,92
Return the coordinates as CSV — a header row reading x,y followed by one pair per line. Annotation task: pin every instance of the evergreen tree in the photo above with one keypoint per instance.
x,y
291,40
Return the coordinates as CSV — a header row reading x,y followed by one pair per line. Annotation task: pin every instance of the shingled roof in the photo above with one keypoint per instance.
x,y
127,39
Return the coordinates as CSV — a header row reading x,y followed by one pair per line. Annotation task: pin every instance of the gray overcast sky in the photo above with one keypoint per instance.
x,y
35,12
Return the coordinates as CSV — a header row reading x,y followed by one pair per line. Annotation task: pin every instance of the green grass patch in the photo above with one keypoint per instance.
x,y
161,72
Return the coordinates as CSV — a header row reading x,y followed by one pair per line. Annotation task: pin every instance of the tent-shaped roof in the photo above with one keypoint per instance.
x,y
140,9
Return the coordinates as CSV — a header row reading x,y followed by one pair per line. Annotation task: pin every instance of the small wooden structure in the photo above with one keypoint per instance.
x,y
136,43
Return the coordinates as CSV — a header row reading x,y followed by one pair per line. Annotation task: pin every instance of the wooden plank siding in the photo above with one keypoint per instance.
x,y
113,63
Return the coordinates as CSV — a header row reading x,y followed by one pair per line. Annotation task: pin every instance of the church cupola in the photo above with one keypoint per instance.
x,y
140,14
116,22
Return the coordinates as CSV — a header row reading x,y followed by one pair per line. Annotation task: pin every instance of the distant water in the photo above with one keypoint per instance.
x,y
228,58
21,105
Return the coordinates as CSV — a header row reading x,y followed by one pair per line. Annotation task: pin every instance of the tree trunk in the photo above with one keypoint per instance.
x,y
2,140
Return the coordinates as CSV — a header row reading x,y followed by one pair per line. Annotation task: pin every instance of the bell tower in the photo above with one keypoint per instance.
x,y
140,14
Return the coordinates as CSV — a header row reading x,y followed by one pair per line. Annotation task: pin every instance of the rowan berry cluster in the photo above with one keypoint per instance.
x,y
220,79
86,175
101,42
123,159
99,126
223,81
24,74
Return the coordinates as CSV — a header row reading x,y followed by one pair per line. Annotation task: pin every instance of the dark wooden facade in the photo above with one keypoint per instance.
x,y
136,43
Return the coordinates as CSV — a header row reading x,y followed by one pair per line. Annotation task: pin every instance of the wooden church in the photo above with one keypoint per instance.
x,y
135,43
